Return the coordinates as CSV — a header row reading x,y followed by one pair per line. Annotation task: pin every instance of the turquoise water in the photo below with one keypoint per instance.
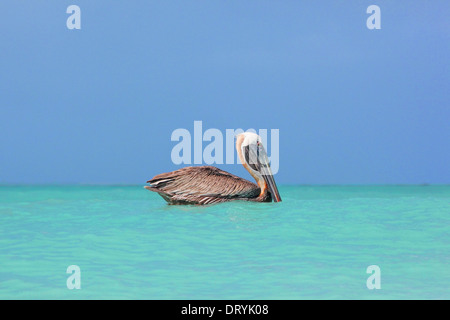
x,y
316,244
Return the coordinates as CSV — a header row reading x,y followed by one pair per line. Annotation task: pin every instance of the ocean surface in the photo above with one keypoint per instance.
x,y
316,244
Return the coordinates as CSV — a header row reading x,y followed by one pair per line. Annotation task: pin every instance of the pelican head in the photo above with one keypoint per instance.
x,y
254,158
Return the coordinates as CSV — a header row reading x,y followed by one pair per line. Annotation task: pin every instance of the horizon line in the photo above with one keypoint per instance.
x,y
281,184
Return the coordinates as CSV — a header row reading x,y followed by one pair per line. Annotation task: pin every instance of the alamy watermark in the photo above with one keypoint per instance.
x,y
74,280
374,20
374,280
218,151
73,22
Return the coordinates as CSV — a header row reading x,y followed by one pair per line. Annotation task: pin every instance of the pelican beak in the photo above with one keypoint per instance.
x,y
256,158
270,181
264,168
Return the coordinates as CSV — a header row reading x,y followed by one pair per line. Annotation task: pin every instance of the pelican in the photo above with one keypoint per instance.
x,y
207,185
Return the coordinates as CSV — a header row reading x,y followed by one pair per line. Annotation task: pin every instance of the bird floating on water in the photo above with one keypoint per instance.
x,y
207,185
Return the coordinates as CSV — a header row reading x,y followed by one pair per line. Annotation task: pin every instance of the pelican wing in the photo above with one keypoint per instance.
x,y
202,185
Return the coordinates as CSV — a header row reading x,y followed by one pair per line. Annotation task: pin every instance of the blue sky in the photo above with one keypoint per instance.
x,y
98,105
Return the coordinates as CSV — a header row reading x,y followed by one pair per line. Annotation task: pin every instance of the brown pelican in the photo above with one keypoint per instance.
x,y
208,185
